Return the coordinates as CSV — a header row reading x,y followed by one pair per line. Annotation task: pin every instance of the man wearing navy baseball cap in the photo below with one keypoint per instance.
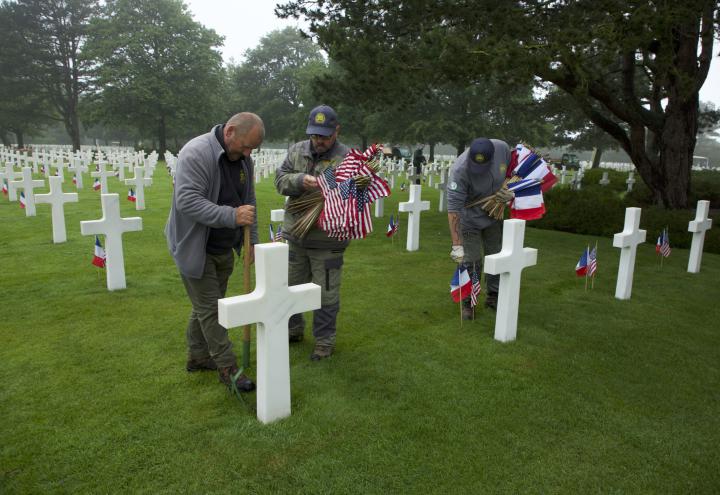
x,y
478,172
315,257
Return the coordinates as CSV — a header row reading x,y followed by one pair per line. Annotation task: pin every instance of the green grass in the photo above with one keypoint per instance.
x,y
596,395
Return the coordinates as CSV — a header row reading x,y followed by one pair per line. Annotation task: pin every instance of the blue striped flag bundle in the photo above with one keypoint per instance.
x,y
662,246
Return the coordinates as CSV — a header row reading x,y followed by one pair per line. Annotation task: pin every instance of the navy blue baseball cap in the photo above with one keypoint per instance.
x,y
481,152
323,121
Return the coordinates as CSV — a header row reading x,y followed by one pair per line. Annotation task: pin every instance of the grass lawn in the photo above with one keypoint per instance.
x,y
596,395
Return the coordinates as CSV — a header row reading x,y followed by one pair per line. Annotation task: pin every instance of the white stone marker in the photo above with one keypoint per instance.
x,y
509,263
563,174
139,181
102,174
27,184
277,215
77,167
414,206
630,181
112,226
10,176
379,207
442,186
627,241
605,180
270,305
698,228
57,199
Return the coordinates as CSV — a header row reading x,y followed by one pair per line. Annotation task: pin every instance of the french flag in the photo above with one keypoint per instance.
x,y
5,188
22,200
582,264
74,179
392,227
131,196
97,185
460,285
272,233
99,255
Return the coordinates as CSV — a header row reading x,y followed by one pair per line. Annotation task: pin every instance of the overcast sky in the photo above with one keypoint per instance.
x,y
244,22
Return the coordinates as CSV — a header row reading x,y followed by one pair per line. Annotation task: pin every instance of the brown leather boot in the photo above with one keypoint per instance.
x,y
235,380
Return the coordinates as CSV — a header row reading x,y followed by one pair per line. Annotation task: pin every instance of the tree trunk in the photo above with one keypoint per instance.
x,y
460,147
432,152
162,138
364,142
20,136
5,139
597,154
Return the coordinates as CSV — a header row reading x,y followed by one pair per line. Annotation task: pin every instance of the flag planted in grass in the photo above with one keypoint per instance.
x,y
581,267
272,233
131,196
460,285
392,227
662,246
22,200
592,262
99,254
278,235
476,289
4,188
97,185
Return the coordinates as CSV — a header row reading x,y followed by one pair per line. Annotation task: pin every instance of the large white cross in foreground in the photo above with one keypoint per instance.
x,y
698,228
140,181
509,263
28,185
413,207
270,305
112,226
57,199
627,241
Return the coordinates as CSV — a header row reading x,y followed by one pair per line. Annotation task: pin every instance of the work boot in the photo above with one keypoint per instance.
x,y
321,351
467,312
235,380
491,301
205,364
295,338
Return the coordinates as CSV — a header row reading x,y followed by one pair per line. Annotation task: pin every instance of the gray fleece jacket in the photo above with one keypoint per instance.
x,y
194,205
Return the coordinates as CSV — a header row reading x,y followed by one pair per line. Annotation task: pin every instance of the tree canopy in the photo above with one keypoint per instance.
x,y
634,68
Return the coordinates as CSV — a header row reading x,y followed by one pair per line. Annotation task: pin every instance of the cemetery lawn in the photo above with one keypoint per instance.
x,y
596,395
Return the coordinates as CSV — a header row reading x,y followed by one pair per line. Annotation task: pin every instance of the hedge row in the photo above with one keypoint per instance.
x,y
600,210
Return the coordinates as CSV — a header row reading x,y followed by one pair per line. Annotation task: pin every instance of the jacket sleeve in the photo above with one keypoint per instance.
x,y
289,180
457,188
193,182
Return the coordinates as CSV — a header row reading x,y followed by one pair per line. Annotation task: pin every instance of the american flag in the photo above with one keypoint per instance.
x,y
278,235
663,244
592,262
346,213
475,290
392,227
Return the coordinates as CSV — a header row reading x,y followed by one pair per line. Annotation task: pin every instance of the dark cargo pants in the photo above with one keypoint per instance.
x,y
478,244
205,336
324,268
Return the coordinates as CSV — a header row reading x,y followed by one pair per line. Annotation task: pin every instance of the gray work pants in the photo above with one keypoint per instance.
x,y
205,336
478,244
324,268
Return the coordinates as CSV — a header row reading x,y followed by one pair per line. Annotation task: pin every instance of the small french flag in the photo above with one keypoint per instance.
x,y
5,188
22,200
99,255
97,185
131,196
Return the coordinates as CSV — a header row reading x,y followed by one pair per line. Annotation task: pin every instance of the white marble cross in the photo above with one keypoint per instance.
x,y
563,174
442,186
270,305
27,184
509,263
379,207
605,180
11,175
627,241
277,215
77,167
57,199
102,173
112,226
139,182
698,227
414,206
630,181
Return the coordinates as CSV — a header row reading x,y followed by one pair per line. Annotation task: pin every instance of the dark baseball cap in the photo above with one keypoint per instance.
x,y
481,152
323,121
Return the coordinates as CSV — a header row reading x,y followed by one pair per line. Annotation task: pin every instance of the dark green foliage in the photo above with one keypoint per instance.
x,y
600,210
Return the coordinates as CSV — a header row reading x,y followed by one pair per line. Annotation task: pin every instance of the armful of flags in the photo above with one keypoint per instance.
x,y
342,206
528,176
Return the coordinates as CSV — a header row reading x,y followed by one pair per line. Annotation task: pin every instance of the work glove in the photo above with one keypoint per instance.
x,y
457,254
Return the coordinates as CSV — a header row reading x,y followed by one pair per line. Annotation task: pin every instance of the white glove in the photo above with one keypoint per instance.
x,y
457,254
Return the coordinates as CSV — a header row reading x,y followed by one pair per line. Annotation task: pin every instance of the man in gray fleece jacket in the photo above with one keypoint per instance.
x,y
214,198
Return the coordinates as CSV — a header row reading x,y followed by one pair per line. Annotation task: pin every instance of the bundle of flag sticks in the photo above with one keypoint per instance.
x,y
528,176
341,207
